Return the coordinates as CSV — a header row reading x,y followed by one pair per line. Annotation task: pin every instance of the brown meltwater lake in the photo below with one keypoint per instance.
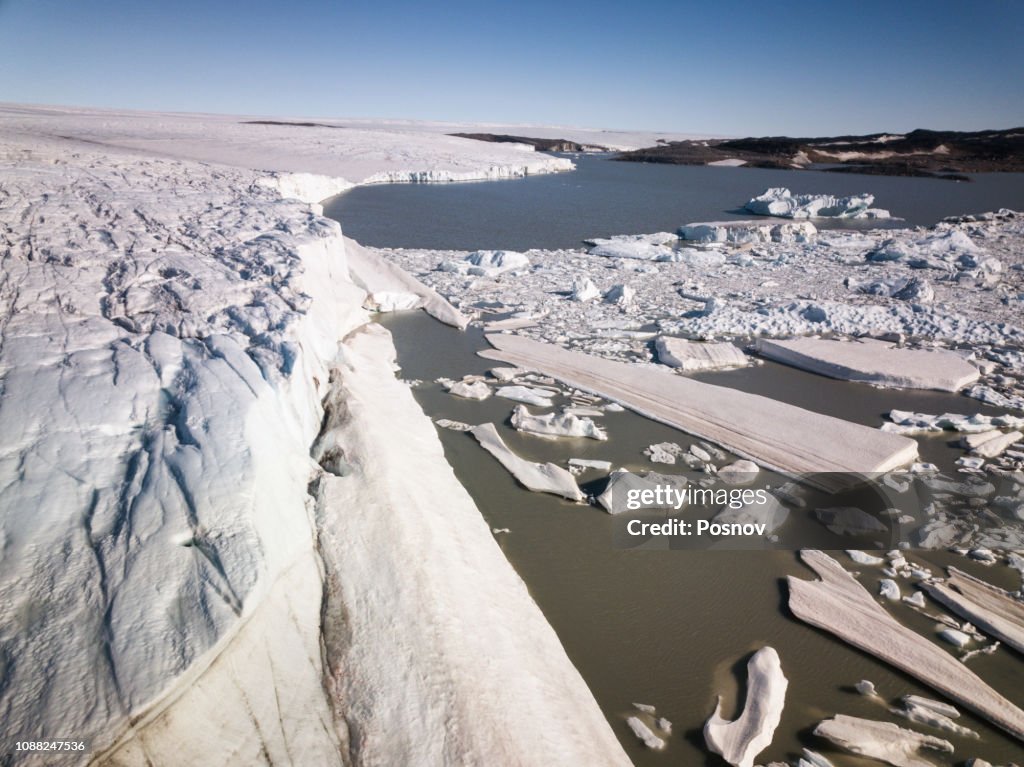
x,y
675,628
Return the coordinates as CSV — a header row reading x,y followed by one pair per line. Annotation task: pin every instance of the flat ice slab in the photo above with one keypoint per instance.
x,y
741,740
774,434
883,741
691,355
872,361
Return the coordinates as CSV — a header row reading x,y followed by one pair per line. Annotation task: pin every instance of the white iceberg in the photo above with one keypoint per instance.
x,y
779,201
556,424
645,734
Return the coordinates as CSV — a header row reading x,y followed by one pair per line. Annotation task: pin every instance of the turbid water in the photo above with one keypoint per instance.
x,y
604,197
675,628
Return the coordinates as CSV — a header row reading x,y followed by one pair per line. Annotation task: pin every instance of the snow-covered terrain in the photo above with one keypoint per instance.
x,y
213,550
345,155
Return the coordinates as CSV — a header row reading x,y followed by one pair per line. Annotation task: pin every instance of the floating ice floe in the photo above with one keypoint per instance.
x,y
539,477
779,201
526,394
645,734
866,688
556,424
933,713
986,606
590,463
477,390
748,232
690,355
741,740
883,741
889,589
838,603
663,452
996,444
906,422
873,361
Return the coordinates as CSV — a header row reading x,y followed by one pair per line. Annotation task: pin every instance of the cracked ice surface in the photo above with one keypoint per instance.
x,y
154,316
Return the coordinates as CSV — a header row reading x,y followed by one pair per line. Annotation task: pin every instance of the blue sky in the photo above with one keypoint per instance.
x,y
738,68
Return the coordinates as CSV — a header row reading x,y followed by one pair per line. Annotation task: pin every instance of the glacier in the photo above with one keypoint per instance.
x,y
212,548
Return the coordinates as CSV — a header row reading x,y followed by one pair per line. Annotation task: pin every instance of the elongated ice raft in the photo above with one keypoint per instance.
x,y
840,605
539,477
818,449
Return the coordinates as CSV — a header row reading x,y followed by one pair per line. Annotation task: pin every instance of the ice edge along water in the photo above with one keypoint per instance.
x,y
181,579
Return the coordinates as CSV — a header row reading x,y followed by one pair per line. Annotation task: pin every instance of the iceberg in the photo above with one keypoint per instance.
x,y
556,424
779,201
526,394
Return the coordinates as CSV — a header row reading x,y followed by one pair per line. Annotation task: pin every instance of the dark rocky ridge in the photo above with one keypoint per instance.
x,y
540,144
939,154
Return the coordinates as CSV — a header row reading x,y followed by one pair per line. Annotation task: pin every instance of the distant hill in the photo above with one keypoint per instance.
x,y
540,144
939,154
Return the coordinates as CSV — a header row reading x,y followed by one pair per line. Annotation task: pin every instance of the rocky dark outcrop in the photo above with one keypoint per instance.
x,y
540,144
939,154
